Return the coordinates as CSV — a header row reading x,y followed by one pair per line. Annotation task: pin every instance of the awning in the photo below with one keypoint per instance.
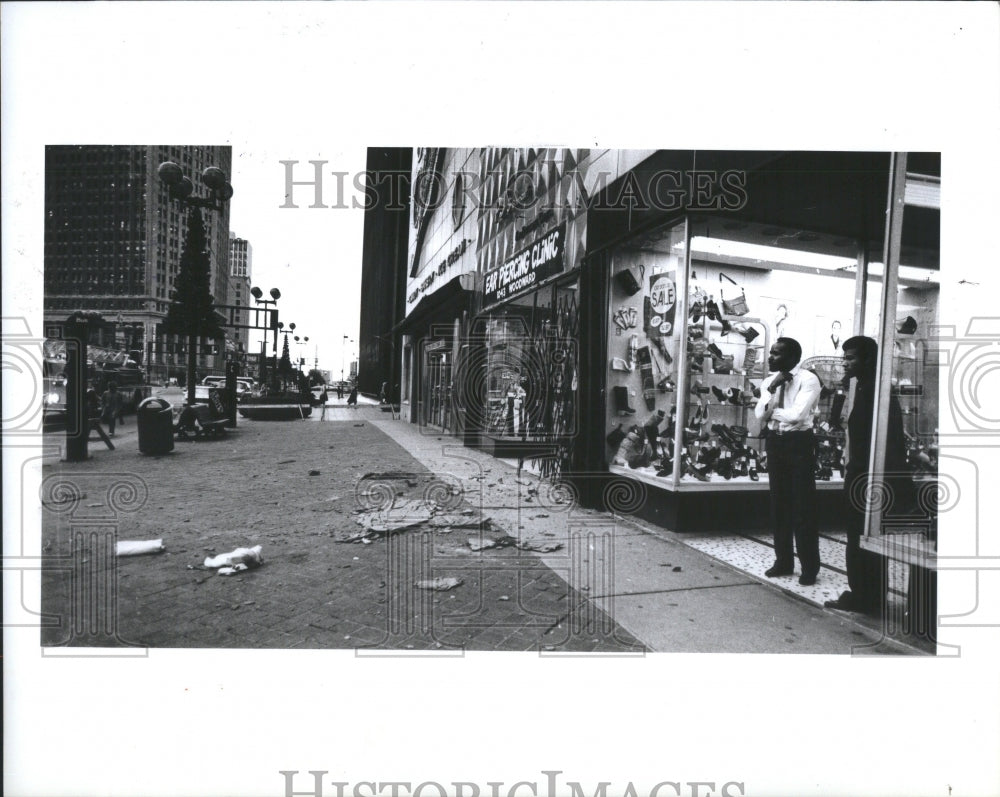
x,y
449,300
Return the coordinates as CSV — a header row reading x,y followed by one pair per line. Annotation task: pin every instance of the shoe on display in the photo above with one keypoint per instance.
x,y
712,309
698,388
719,395
697,473
735,396
696,312
755,390
747,333
621,399
665,385
714,350
907,326
615,436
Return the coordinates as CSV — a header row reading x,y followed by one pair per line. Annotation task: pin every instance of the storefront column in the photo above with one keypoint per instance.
x,y
588,453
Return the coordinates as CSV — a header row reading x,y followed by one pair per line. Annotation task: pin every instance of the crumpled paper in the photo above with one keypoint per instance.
x,y
138,547
440,584
236,561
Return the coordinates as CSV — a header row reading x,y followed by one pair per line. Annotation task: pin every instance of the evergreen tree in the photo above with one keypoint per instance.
x,y
192,309
285,369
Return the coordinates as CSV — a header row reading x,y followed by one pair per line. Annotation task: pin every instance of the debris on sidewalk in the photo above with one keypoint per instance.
x,y
440,584
137,548
236,561
408,513
314,473
540,546
483,543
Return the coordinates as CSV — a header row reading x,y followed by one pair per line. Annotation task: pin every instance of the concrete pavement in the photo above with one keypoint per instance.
x,y
596,582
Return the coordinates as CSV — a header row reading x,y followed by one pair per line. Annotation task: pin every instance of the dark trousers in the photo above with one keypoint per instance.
x,y
791,472
867,572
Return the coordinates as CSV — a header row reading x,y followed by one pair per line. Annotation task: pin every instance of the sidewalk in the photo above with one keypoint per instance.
x,y
611,585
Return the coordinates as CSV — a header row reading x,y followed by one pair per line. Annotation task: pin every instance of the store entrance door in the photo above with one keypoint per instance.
x,y
437,386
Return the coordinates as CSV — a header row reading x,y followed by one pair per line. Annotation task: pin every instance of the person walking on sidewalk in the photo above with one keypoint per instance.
x,y
110,406
867,572
352,400
785,408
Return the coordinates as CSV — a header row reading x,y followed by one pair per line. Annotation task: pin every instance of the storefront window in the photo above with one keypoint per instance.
x,y
689,340
531,374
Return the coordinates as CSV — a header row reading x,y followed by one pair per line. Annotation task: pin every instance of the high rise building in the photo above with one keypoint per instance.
x,y
240,273
113,240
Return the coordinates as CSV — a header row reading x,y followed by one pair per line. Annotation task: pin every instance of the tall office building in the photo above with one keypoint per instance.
x,y
240,273
113,240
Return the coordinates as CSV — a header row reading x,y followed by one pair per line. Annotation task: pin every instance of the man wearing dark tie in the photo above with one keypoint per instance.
x,y
785,409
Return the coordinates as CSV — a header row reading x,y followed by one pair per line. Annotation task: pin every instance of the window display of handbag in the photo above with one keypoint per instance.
x,y
738,305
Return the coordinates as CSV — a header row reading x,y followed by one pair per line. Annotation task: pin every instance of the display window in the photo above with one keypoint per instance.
x,y
694,308
530,363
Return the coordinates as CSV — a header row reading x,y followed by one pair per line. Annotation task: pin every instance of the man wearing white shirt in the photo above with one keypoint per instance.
x,y
785,409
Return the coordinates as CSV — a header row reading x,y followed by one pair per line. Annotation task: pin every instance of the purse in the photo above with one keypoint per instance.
x,y
737,306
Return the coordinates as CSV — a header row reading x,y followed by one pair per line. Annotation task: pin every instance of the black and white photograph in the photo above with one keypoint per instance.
x,y
357,393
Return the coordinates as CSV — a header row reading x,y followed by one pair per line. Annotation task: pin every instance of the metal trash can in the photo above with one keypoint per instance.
x,y
155,422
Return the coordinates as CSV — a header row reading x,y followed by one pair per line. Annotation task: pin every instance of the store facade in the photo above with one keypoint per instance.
x,y
440,285
605,316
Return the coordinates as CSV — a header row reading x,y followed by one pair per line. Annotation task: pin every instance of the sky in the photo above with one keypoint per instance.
x,y
312,255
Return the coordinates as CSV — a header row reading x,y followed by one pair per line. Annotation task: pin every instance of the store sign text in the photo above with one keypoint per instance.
x,y
531,265
442,267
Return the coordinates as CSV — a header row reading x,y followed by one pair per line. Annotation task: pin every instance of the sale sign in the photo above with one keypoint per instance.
x,y
660,305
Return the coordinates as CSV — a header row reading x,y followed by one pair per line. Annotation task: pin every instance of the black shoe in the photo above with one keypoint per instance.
x,y
807,580
844,603
776,570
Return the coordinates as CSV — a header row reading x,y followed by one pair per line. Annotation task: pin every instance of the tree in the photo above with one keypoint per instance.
x,y
285,369
316,377
192,309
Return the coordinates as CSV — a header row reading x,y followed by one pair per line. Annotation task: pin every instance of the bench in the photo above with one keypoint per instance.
x,y
202,421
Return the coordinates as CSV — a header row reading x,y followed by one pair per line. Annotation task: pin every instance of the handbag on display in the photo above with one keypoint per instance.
x,y
627,282
737,306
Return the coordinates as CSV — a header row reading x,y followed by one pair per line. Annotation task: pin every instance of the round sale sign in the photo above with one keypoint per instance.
x,y
662,296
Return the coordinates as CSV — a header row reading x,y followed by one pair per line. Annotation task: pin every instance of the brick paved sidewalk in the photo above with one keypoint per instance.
x,y
291,488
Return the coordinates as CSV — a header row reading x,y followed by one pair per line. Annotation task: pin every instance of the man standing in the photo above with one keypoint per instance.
x,y
110,406
788,396
867,572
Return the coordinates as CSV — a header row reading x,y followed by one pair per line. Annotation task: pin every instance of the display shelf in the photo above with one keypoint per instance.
x,y
648,476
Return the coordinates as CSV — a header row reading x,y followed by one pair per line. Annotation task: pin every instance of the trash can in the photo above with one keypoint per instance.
x,y
155,422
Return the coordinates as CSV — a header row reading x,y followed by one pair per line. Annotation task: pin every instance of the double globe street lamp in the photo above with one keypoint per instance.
x,y
192,311
258,294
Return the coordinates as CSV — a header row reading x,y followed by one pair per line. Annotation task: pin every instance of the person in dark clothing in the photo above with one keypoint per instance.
x,y
352,400
867,572
785,408
111,408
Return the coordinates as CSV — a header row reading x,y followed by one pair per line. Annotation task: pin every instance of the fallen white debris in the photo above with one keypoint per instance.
x,y
247,557
439,584
136,548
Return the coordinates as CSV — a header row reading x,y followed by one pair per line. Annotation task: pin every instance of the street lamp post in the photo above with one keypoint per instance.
x,y
192,311
257,293
343,352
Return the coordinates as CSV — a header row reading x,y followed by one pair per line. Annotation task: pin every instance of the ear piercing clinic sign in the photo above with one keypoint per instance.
x,y
527,268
